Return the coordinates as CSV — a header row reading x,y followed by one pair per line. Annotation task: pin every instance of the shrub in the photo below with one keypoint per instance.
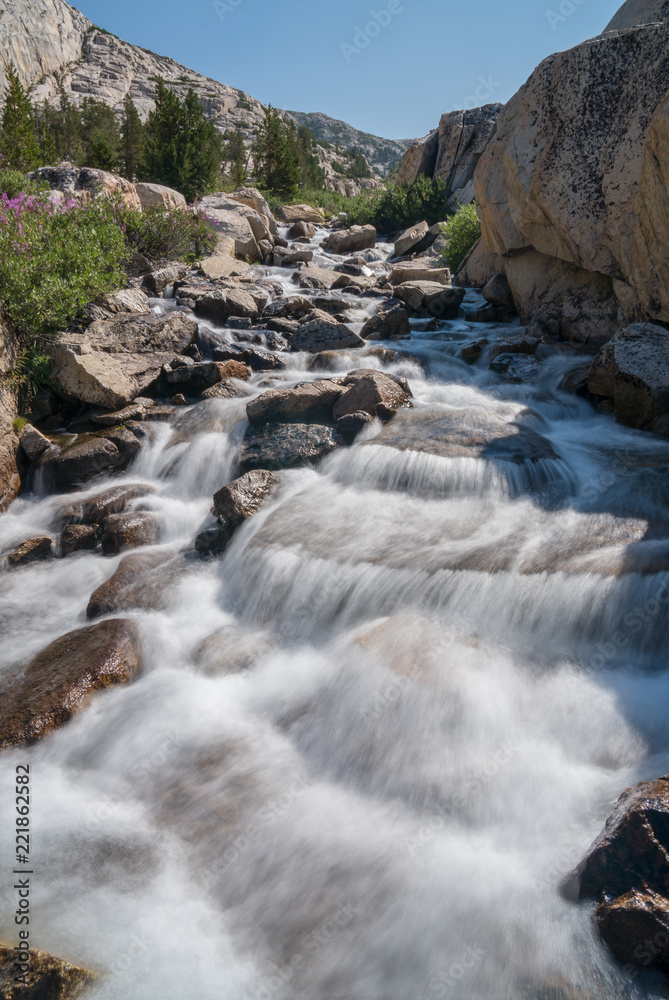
x,y
462,232
13,182
398,207
162,236
56,258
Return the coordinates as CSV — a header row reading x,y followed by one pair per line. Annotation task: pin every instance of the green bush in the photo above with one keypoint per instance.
x,y
13,182
462,232
162,236
54,259
398,207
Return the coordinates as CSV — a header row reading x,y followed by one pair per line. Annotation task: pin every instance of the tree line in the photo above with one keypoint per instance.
x,y
177,145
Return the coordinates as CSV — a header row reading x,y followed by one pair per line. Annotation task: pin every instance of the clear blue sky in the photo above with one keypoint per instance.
x,y
394,77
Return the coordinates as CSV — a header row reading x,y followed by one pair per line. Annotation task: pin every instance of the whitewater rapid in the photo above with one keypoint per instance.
x,y
454,666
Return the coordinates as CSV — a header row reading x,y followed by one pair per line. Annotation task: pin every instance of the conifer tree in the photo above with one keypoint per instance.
x,y
132,137
277,161
18,140
235,154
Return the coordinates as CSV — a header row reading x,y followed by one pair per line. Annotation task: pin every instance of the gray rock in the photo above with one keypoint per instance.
x,y
308,401
157,281
256,358
324,334
220,305
633,371
34,443
243,498
391,320
286,446
350,240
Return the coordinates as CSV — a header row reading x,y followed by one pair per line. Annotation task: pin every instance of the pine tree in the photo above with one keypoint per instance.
x,y
132,136
235,154
276,156
45,120
183,149
18,139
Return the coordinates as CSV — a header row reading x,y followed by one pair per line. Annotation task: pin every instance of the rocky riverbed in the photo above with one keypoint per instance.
x,y
333,616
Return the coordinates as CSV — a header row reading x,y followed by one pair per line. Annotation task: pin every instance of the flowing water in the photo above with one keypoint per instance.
x,y
454,666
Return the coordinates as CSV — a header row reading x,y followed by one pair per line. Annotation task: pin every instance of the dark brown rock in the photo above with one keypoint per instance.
x,y
243,498
140,582
122,531
303,403
39,698
213,541
197,378
516,368
48,978
472,352
95,509
632,852
77,464
371,392
497,291
32,550
286,446
78,538
636,929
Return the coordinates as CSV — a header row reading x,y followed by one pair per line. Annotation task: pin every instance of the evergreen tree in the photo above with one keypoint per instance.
x,y
276,156
100,135
68,131
183,149
132,136
18,140
235,154
46,133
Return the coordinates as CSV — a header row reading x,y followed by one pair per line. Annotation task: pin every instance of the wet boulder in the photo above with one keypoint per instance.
x,y
294,307
633,371
213,541
33,550
350,425
633,849
96,508
231,650
285,256
308,401
371,392
516,368
135,411
320,277
55,685
78,538
141,582
256,358
391,320
323,333
243,498
635,927
286,446
472,352
48,977
131,530
353,239
225,389
78,463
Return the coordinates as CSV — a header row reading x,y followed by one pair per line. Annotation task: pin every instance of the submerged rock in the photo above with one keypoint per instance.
x,y
140,582
44,695
48,977
96,508
231,650
285,446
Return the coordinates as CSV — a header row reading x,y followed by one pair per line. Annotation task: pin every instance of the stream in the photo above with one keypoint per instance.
x,y
370,742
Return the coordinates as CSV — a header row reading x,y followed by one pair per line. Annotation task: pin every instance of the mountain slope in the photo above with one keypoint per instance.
x,y
381,154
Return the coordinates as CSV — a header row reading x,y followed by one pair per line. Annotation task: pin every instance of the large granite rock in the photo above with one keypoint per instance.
x,y
578,174
159,196
371,392
238,222
71,467
636,12
323,333
55,685
633,371
420,158
88,183
301,213
354,239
